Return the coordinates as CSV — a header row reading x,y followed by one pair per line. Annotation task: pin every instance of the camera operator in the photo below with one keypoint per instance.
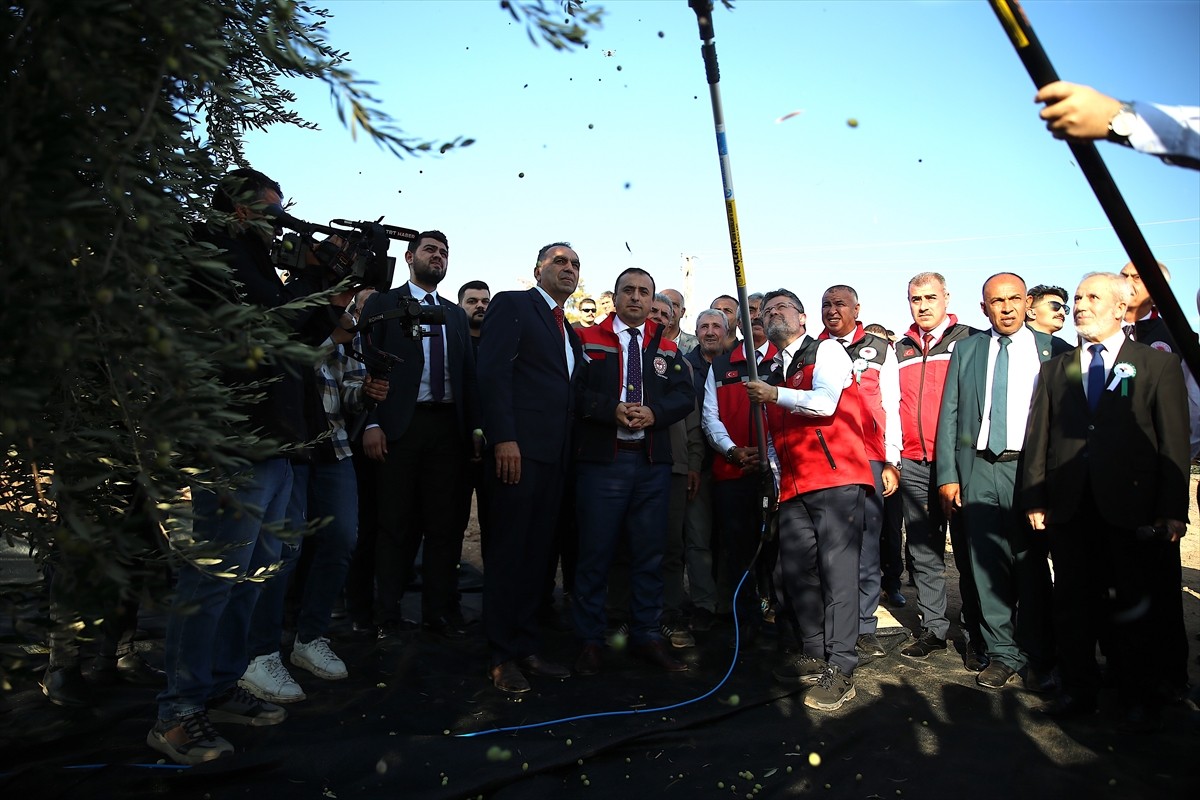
x,y
324,487
207,624
420,437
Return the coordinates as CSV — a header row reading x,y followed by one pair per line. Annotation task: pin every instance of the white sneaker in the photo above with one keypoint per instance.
x,y
317,658
268,679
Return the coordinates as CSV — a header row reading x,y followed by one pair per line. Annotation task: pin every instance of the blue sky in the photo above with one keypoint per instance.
x,y
949,168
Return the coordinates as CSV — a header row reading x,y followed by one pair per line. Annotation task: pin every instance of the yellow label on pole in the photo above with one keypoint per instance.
x,y
1009,20
735,240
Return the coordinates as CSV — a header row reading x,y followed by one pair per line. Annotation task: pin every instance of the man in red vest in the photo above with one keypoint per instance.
x,y
814,416
878,380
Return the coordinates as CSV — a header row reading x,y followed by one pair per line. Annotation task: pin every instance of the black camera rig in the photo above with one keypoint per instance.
x,y
359,252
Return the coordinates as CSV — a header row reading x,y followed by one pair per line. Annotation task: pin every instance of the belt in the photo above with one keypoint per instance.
x,y
630,444
1007,455
436,406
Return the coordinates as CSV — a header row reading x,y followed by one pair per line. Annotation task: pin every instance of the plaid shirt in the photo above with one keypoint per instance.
x,y
340,381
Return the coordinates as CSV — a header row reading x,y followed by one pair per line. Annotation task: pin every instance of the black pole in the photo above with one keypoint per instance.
x,y
1037,64
708,50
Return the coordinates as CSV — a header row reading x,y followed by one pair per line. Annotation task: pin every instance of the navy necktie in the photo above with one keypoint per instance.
x,y
1095,379
998,427
633,369
437,359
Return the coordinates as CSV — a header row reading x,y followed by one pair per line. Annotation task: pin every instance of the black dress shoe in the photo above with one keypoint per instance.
x,y
130,668
655,652
536,665
1140,718
445,628
868,645
975,661
1070,707
1038,681
895,598
995,675
588,662
928,642
507,678
64,686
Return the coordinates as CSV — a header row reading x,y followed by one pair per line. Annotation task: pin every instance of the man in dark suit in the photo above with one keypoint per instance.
x,y
1105,474
526,359
632,386
421,436
980,433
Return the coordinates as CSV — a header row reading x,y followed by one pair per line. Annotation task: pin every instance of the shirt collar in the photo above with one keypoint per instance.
x,y
549,300
420,294
619,325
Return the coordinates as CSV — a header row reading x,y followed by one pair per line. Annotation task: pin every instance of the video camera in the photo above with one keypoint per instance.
x,y
361,256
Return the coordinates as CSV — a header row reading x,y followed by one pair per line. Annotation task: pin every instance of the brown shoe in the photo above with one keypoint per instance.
x,y
656,653
588,662
507,678
536,665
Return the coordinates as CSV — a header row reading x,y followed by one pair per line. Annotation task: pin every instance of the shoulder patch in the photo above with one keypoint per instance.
x,y
1163,346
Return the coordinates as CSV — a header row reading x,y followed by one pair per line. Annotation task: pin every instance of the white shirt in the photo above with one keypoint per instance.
x,y
1023,368
1166,131
423,393
1112,345
570,354
622,332
832,372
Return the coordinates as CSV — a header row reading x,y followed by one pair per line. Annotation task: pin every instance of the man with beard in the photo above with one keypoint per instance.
x,y
814,416
1105,475
527,359
474,297
421,436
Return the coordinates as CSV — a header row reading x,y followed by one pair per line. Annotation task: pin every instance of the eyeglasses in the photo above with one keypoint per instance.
x,y
1056,306
777,308
588,310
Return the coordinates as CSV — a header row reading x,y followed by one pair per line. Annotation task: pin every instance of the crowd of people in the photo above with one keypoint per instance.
x,y
658,470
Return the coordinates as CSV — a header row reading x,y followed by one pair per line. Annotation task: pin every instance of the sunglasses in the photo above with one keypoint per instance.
x,y
1056,306
587,310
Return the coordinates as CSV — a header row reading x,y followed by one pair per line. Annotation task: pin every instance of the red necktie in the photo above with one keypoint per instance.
x,y
558,317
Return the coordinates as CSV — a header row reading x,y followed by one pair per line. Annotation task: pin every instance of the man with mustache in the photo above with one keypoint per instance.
x,y
924,357
421,437
1105,477
1046,308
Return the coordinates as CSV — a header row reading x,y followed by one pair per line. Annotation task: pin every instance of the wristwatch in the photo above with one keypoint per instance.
x,y
1121,125
729,454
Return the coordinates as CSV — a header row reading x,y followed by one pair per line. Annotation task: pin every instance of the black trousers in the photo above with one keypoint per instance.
x,y
1106,588
737,528
418,484
523,521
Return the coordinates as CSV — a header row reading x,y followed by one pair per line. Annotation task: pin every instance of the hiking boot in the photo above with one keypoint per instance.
x,y
832,691
800,669
239,707
268,679
678,635
190,739
317,658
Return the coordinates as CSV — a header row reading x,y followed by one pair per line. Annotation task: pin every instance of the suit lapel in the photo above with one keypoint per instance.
x,y
980,362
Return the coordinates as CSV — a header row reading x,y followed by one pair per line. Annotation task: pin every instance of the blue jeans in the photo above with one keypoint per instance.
x,y
627,498
205,648
319,491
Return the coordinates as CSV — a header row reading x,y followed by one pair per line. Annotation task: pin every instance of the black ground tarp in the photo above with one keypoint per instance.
x,y
915,730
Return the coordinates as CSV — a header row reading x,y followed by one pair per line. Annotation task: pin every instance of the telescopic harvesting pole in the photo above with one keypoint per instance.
x,y
1037,64
708,50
